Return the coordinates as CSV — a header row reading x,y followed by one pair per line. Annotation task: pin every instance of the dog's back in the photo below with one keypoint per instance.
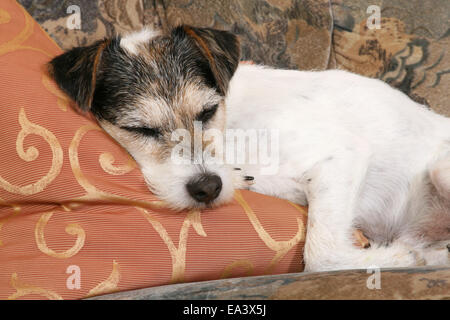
x,y
357,151
405,192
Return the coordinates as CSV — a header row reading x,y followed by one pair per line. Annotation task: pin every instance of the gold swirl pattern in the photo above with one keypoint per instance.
x,y
23,289
92,193
16,42
5,17
16,210
62,100
72,229
178,255
302,210
32,153
244,263
281,248
110,284
106,162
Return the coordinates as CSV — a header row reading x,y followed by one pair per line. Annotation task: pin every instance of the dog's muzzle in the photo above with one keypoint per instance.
x,y
205,187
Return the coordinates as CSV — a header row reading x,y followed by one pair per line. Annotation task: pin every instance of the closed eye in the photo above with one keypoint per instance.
x,y
207,114
145,131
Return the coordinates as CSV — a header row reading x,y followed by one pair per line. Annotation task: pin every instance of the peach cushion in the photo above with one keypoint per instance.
x,y
76,218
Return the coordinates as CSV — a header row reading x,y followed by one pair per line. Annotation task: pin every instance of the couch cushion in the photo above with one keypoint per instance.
x,y
415,283
285,34
410,50
97,19
76,218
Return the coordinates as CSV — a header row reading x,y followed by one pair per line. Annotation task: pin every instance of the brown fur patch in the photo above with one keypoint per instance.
x,y
203,47
221,49
97,58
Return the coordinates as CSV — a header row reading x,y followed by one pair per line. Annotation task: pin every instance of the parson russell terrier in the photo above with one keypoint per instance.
x,y
359,153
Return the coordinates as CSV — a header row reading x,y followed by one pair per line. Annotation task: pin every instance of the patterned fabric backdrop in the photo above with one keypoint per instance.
x,y
76,217
409,51
47,181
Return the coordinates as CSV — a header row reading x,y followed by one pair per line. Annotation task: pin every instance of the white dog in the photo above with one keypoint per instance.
x,y
359,153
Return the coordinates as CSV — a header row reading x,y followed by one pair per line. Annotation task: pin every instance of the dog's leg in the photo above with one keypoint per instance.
x,y
436,256
440,176
438,253
332,188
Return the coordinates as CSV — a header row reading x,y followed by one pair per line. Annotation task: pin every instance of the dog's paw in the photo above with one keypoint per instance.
x,y
436,257
352,258
397,255
241,180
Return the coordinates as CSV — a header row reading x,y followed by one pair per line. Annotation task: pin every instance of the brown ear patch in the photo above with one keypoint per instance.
x,y
220,48
75,72
97,59
203,47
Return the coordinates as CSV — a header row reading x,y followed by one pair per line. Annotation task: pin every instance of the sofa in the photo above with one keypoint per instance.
x,y
408,51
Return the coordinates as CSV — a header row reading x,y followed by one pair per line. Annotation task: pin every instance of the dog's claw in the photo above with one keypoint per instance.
x,y
241,180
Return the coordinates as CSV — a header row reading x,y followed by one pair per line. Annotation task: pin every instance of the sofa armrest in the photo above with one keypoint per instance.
x,y
399,283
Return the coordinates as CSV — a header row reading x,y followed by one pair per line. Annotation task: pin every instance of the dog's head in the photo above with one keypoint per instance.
x,y
146,86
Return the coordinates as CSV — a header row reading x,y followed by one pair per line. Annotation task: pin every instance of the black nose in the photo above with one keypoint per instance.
x,y
205,188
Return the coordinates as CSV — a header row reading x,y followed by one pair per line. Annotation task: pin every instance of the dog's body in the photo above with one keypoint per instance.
x,y
359,153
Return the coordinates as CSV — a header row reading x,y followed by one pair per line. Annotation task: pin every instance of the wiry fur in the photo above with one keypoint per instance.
x,y
357,152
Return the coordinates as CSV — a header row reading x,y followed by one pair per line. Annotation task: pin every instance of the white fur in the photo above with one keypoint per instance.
x,y
355,150
132,41
440,175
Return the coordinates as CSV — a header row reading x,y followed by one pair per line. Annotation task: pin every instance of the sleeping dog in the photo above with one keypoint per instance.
x,y
359,153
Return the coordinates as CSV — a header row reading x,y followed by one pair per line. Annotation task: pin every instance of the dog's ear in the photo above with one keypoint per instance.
x,y
75,72
220,48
